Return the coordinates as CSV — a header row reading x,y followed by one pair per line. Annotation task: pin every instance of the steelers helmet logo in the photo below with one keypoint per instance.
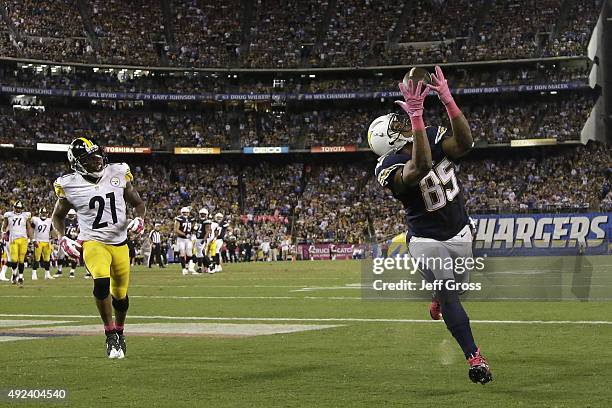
x,y
115,182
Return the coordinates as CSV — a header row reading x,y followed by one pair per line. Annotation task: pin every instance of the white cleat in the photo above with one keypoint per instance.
x,y
185,272
34,276
114,353
3,278
113,350
49,276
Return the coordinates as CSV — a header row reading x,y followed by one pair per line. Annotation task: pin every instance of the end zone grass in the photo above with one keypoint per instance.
x,y
381,354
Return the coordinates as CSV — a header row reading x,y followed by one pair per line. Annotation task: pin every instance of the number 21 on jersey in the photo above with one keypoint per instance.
x,y
439,186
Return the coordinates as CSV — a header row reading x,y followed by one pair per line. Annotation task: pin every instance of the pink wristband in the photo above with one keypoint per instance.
x,y
452,109
417,123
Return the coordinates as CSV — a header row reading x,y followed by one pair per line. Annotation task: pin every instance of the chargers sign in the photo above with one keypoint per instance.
x,y
543,234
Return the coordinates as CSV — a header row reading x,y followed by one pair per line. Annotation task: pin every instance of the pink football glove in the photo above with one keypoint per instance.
x,y
71,247
414,98
137,225
440,85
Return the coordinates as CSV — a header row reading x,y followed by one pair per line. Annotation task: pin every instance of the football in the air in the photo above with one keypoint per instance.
x,y
417,74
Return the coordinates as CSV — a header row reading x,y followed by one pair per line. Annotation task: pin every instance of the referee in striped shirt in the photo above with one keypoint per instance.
x,y
156,239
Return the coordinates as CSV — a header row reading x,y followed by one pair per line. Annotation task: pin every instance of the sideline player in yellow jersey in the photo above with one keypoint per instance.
x,y
16,230
42,243
99,191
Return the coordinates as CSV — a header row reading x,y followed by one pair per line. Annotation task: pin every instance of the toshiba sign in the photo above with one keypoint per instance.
x,y
127,149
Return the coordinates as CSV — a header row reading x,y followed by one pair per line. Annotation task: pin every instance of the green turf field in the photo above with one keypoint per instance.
x,y
377,353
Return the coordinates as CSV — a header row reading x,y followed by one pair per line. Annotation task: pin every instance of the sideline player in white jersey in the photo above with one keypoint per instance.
x,y
42,243
183,226
16,229
100,192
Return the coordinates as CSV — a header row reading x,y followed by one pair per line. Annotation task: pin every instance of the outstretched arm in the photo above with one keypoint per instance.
x,y
420,163
461,142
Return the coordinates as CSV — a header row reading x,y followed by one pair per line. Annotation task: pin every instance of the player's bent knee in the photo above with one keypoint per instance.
x,y
101,288
121,305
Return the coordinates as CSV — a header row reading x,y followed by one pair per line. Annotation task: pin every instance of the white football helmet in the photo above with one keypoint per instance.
x,y
185,211
218,217
203,213
72,213
385,133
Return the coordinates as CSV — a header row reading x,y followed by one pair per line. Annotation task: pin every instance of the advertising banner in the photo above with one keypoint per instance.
x,y
317,252
533,235
543,234
197,150
266,150
127,149
333,149
338,95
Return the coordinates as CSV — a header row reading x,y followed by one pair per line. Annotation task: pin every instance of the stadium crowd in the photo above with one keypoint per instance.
x,y
259,34
28,127
497,121
127,31
205,33
333,202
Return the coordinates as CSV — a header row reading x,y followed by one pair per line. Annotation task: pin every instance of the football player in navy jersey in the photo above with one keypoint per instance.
x,y
417,164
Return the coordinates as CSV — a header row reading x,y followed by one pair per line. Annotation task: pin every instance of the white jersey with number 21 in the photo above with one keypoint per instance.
x,y
100,206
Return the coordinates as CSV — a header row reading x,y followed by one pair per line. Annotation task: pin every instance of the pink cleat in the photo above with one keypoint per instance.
x,y
479,369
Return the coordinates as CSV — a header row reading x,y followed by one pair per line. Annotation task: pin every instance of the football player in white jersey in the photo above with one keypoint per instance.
x,y
100,192
16,229
42,243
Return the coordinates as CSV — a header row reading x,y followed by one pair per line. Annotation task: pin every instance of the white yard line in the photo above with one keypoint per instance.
x,y
359,298
316,319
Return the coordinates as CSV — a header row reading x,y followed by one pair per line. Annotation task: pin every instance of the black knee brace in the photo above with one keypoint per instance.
x,y
121,305
101,288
